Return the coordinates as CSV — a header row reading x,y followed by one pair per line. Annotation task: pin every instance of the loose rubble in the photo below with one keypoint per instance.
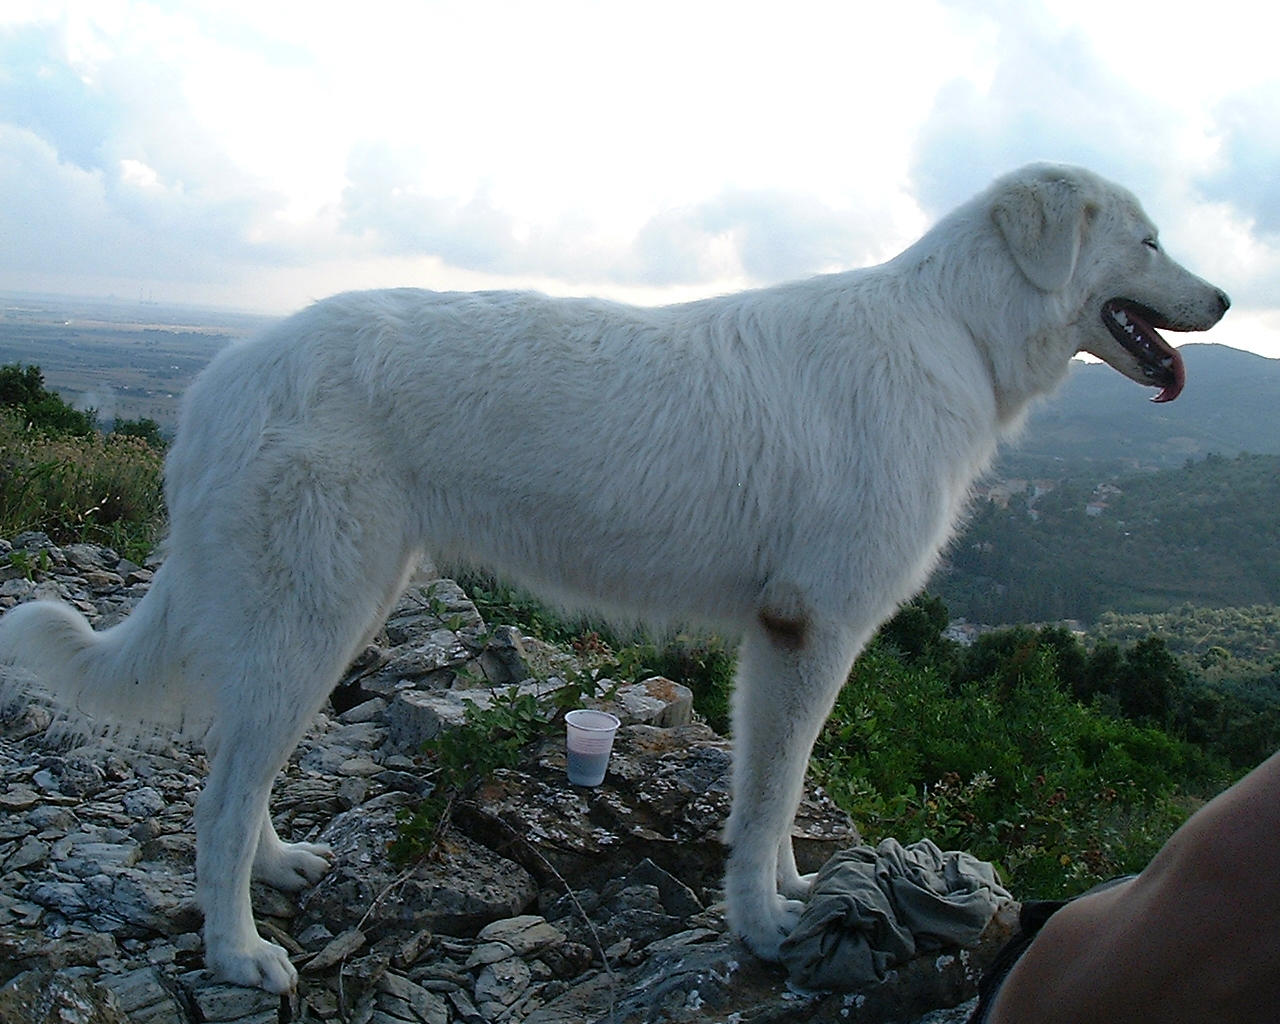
x,y
548,904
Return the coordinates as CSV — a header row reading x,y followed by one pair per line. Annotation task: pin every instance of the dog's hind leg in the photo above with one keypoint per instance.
x,y
288,866
790,882
789,673
230,814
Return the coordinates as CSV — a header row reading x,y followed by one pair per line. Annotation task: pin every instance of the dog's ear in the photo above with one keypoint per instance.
x,y
1041,222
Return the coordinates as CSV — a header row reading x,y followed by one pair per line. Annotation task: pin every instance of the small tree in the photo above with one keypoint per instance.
x,y
22,388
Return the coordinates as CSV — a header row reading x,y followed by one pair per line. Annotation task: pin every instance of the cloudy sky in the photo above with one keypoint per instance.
x,y
259,154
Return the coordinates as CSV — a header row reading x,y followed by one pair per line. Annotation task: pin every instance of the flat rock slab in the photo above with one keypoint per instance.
x,y
468,887
44,997
720,980
666,798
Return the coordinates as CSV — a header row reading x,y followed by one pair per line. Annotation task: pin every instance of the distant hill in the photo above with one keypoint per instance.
x,y
1103,420
1205,534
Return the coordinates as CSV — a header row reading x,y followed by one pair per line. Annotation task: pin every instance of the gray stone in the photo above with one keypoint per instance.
x,y
80,949
676,897
369,711
526,934
359,767
653,701
464,1009
488,953
143,997
341,947
70,899
416,716
688,937
589,1001
51,817
503,660
143,802
19,798
31,853
19,588
217,1002
437,649
425,1006
94,858
502,982
352,791
85,556
315,937
44,997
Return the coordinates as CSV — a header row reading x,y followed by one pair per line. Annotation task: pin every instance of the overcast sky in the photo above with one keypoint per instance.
x,y
259,154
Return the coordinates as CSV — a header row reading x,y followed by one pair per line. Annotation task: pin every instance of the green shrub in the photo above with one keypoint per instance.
x,y
145,428
1011,768
22,390
80,488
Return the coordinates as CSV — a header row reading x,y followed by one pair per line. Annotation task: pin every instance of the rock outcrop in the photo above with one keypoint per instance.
x,y
544,902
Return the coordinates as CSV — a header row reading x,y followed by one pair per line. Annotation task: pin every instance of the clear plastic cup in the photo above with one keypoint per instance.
x,y
588,741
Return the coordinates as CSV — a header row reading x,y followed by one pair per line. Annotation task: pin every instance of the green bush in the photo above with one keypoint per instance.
x,y
145,428
1010,767
80,487
59,475
22,390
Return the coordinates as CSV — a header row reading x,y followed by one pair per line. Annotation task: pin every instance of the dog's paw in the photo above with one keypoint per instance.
x,y
292,866
259,964
763,933
797,886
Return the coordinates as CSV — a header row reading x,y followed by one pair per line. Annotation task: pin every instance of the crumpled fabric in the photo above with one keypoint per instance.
x,y
870,909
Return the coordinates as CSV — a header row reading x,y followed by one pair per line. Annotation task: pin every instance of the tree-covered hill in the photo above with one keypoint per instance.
x,y
1206,534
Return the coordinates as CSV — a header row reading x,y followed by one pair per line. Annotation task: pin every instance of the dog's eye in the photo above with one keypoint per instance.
x,y
1151,243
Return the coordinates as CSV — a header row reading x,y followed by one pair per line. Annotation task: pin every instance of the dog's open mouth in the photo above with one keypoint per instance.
x,y
1133,325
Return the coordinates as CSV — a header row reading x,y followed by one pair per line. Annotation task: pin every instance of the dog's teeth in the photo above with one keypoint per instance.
x,y
1166,362
1121,319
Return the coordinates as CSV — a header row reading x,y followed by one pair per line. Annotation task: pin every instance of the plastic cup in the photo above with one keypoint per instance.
x,y
588,741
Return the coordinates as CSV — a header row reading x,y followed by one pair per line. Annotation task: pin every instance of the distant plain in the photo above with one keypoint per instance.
x,y
126,359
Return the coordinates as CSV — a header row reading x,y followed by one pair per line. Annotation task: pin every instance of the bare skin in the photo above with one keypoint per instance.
x,y
1195,937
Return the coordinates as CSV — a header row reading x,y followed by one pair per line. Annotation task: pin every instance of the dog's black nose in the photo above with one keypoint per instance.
x,y
1224,300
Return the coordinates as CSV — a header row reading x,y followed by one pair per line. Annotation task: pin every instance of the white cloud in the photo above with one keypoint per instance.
x,y
1247,125
756,236
1048,95
280,151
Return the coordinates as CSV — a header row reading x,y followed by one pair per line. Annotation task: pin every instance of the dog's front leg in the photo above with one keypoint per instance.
x,y
789,673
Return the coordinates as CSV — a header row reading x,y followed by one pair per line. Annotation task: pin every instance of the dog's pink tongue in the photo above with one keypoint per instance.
x,y
1168,394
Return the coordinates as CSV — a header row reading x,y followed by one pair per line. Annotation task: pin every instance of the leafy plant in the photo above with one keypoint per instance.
x,y
80,488
1011,767
489,739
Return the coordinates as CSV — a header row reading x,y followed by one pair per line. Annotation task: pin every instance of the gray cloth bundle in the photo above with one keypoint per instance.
x,y
870,909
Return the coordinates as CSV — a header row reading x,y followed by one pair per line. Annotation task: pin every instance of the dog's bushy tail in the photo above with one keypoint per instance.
x,y
125,680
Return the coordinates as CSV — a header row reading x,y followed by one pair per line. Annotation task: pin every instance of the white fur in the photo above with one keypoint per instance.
x,y
785,464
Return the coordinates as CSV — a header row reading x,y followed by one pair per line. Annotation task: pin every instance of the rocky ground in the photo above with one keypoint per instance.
x,y
546,903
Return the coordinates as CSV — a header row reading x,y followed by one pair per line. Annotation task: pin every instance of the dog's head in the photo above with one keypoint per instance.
x,y
1076,234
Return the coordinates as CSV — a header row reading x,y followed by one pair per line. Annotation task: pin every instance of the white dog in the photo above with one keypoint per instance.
x,y
784,463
